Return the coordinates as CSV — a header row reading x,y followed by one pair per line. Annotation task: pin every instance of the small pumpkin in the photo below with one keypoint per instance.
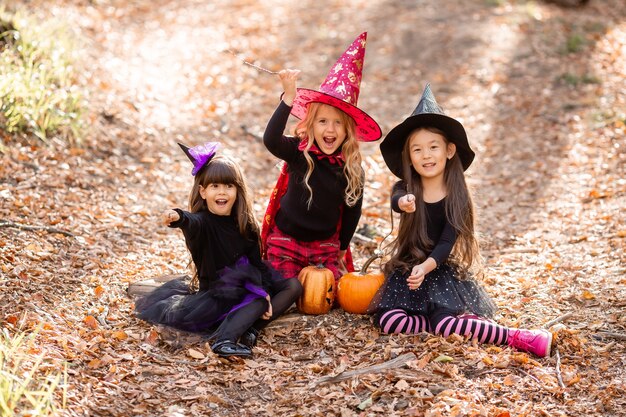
x,y
355,291
319,288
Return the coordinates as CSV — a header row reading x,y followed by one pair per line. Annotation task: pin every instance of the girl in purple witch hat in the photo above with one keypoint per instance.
x,y
316,205
238,293
428,285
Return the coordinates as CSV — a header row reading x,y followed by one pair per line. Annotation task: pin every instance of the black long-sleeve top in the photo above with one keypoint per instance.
x,y
215,242
439,229
295,218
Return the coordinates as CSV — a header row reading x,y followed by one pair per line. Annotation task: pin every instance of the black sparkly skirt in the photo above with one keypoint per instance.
x,y
175,304
440,289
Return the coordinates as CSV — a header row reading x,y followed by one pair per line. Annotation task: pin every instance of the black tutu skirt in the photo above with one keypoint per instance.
x,y
440,289
175,304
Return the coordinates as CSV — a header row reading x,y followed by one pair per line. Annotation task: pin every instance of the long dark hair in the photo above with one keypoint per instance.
x,y
412,244
224,170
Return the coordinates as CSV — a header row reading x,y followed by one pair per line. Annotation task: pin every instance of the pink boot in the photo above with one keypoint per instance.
x,y
537,342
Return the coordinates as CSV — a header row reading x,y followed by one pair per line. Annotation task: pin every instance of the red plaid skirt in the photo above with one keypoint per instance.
x,y
289,256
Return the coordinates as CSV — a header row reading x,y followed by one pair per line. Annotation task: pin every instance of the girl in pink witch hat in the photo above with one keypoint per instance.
x,y
316,205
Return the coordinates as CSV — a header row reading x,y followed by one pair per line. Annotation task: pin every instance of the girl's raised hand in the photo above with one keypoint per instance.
x,y
407,203
288,78
416,278
169,216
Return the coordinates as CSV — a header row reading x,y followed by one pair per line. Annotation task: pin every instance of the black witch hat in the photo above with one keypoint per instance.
x,y
426,114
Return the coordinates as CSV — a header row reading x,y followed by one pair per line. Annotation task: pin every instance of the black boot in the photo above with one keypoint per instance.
x,y
249,337
226,348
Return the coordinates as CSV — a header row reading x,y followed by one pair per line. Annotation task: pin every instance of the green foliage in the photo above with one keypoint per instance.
x,y
575,43
495,3
574,80
25,387
595,27
38,91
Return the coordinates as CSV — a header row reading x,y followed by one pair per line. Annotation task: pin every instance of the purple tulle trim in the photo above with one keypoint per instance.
x,y
202,154
173,304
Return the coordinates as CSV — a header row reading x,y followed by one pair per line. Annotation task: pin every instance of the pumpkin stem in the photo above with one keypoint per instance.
x,y
371,259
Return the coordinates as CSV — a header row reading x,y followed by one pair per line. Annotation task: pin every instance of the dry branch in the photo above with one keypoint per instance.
x,y
285,319
610,335
177,361
558,369
558,319
144,287
509,251
391,364
48,229
249,132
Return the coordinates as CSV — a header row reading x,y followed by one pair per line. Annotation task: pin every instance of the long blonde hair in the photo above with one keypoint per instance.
x,y
352,168
412,244
225,170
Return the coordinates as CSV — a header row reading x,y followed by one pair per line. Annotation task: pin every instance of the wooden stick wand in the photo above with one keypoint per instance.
x,y
233,53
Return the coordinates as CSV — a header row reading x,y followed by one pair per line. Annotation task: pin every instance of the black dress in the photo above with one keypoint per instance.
x,y
441,288
328,209
230,271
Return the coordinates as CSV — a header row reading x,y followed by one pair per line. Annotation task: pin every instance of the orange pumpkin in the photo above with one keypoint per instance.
x,y
355,291
318,293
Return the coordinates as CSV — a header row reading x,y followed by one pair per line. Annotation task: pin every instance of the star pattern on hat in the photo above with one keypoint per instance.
x,y
341,89
345,77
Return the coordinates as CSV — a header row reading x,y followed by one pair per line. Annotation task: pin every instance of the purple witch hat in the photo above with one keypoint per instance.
x,y
200,155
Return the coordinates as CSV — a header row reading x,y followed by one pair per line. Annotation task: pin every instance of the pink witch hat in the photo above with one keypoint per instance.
x,y
341,90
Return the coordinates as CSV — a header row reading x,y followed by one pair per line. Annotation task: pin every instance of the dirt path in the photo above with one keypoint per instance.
x,y
548,129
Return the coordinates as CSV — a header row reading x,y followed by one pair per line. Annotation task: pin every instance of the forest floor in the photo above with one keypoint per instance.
x,y
541,91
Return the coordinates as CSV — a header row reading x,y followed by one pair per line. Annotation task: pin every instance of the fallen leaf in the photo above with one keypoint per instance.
x,y
94,363
365,404
195,354
120,335
511,380
402,385
588,295
152,337
98,291
91,322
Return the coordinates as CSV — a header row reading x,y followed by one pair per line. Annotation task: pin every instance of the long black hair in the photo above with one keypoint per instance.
x,y
412,244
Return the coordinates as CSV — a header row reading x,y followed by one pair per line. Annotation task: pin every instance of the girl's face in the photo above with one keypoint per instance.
x,y
219,198
429,153
328,129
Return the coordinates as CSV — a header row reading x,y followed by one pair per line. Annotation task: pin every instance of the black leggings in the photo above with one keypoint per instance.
x,y
282,294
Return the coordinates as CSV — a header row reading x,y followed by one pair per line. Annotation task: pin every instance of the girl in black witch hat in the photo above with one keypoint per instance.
x,y
428,285
238,293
